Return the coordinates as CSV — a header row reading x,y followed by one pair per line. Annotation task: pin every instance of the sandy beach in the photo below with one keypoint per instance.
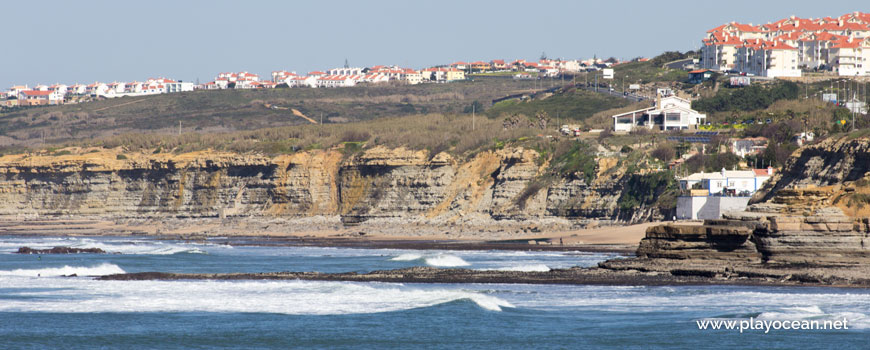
x,y
326,232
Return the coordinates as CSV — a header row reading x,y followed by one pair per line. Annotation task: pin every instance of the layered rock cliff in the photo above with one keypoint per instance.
x,y
810,224
375,185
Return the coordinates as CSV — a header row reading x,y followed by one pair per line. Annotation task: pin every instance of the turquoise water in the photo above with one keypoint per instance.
x,y
39,309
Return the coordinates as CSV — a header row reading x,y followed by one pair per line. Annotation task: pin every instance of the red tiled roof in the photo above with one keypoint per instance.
x,y
763,172
777,45
717,29
36,93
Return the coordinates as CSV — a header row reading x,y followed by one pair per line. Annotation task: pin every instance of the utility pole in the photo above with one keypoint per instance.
x,y
472,116
179,128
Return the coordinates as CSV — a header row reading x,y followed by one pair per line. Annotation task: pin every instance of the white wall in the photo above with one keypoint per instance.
x,y
703,208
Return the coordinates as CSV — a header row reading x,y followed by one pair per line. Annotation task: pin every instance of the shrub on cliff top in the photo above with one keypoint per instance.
x,y
748,98
646,190
574,158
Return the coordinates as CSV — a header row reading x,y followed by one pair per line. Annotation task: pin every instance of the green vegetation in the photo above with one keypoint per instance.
x,y
646,72
574,158
568,159
434,132
711,162
748,98
668,56
221,111
656,188
571,104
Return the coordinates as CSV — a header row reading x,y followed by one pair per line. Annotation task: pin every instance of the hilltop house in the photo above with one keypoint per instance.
x,y
38,98
669,113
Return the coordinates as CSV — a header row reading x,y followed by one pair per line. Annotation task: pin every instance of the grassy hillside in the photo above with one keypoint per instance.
x,y
646,72
236,110
570,104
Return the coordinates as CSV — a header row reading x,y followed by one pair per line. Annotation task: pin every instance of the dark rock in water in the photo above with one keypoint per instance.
x,y
60,250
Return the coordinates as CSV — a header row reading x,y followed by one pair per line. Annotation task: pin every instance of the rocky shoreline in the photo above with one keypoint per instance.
x,y
572,276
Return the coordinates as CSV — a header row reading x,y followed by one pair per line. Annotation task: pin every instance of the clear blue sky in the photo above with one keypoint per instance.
x,y
83,41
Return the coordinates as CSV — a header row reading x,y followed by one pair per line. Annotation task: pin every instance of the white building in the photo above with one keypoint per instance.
x,y
850,56
345,71
741,183
711,194
669,113
281,75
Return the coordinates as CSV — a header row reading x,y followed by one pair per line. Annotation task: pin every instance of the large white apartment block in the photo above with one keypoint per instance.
x,y
785,47
852,57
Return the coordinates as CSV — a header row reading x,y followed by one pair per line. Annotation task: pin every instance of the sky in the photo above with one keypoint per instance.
x,y
85,41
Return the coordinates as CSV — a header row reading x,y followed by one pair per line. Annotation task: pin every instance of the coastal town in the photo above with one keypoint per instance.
x,y
791,46
55,94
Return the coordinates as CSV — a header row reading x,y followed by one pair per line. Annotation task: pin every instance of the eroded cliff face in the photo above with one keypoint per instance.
x,y
812,224
377,184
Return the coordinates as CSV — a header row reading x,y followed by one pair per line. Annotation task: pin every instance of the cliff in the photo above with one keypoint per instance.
x,y
809,224
377,185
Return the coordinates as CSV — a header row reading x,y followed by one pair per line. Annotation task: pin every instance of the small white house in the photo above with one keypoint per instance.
x,y
669,113
720,192
735,182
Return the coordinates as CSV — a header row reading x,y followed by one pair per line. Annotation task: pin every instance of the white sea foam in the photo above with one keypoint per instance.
x,y
445,260
110,245
436,260
407,257
98,270
526,268
282,297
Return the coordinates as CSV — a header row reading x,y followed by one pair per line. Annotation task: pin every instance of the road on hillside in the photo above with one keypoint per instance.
x,y
678,64
617,93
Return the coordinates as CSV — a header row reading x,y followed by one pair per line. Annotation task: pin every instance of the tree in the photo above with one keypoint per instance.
x,y
543,55
665,152
475,106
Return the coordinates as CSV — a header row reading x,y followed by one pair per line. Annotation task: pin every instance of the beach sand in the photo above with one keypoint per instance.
x,y
332,233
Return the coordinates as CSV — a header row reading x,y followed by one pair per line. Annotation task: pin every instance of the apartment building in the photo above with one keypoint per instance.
x,y
785,47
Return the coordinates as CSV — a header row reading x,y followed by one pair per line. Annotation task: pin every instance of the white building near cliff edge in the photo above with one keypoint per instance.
x,y
708,195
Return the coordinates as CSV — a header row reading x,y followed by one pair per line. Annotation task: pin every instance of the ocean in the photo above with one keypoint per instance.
x,y
41,309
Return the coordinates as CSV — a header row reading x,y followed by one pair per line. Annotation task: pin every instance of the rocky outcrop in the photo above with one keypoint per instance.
x,y
810,224
377,185
60,250
575,275
828,163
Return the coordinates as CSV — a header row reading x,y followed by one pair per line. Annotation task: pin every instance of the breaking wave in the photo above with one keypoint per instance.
x,y
280,297
445,260
98,270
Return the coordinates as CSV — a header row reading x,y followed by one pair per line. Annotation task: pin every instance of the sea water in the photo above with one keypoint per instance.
x,y
39,308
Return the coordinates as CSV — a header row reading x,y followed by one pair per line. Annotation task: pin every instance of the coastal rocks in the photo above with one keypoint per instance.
x,y
825,236
822,246
711,242
60,250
